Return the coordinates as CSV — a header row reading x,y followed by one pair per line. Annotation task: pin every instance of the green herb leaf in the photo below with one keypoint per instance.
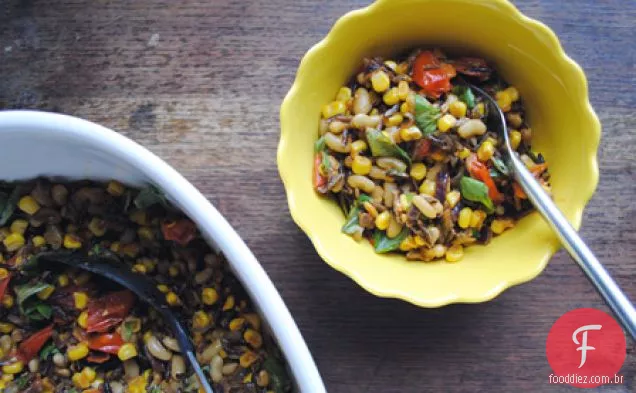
x,y
382,243
23,381
277,374
38,311
500,165
466,95
352,223
326,163
476,191
49,350
127,330
149,196
320,144
426,115
382,146
24,292
9,205
155,389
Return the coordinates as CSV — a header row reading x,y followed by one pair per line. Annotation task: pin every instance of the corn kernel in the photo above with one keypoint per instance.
x,y
63,280
163,288
477,219
464,217
419,241
390,64
38,241
410,134
115,188
139,268
405,108
97,226
229,303
80,299
463,153
515,139
19,226
7,378
126,352
8,301
395,120
173,271
89,373
452,198
146,233
418,171
480,109
408,244
254,320
446,122
46,292
82,278
147,336
402,68
200,320
391,97
253,338
172,299
130,250
503,100
454,253
82,320
344,94
13,242
139,217
72,241
29,205
403,90
458,109
209,296
77,352
247,359
333,108
248,378
115,247
513,93
6,327
427,187
358,146
380,81
499,226
236,324
485,151
13,368
4,273
382,220
361,165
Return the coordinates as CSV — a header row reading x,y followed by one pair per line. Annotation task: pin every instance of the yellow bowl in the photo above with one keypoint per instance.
x,y
529,56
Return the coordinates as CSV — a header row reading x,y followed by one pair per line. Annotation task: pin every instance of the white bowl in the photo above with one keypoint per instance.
x,y
45,144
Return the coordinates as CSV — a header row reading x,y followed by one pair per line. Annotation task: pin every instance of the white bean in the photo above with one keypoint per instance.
x,y
362,121
377,173
204,275
177,367
361,101
171,344
336,127
34,365
59,360
390,191
471,128
131,369
157,349
211,350
6,343
335,143
391,163
377,194
394,228
229,368
424,206
361,182
116,387
216,368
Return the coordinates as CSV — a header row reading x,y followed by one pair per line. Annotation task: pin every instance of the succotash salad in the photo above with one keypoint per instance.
x,y
67,331
407,153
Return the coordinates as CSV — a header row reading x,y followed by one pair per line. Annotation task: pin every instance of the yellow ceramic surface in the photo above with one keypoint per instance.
x,y
529,56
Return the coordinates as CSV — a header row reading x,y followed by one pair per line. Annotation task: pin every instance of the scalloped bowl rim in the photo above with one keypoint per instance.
x,y
503,284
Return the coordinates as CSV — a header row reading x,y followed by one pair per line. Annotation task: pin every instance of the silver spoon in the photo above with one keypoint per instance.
x,y
141,286
596,273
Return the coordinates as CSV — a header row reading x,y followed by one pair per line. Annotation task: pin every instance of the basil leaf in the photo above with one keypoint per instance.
x,y
9,205
320,144
23,381
155,389
149,196
38,311
24,292
326,163
382,243
476,191
382,146
364,198
500,165
466,95
352,222
277,374
49,350
426,115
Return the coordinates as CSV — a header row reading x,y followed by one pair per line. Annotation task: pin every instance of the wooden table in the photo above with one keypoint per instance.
x,y
199,82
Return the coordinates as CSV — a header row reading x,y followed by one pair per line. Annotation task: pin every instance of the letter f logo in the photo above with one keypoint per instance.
x,y
584,347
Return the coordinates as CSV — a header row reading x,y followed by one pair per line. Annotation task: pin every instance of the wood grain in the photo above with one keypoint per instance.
x,y
199,83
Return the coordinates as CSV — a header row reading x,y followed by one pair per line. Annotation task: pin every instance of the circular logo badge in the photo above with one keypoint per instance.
x,y
585,348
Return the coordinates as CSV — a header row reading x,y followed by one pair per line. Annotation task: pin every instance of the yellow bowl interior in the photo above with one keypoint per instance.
x,y
529,56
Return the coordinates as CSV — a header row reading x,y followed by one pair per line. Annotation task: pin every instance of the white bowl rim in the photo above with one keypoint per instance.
x,y
211,223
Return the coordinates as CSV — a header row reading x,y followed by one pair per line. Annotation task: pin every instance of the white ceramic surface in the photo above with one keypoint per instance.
x,y
45,144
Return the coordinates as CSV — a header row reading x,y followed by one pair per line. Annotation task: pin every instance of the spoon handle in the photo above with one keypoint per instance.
x,y
596,273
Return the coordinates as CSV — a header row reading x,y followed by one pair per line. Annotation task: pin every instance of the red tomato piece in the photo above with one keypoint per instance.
x,y
30,347
109,311
108,342
181,231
